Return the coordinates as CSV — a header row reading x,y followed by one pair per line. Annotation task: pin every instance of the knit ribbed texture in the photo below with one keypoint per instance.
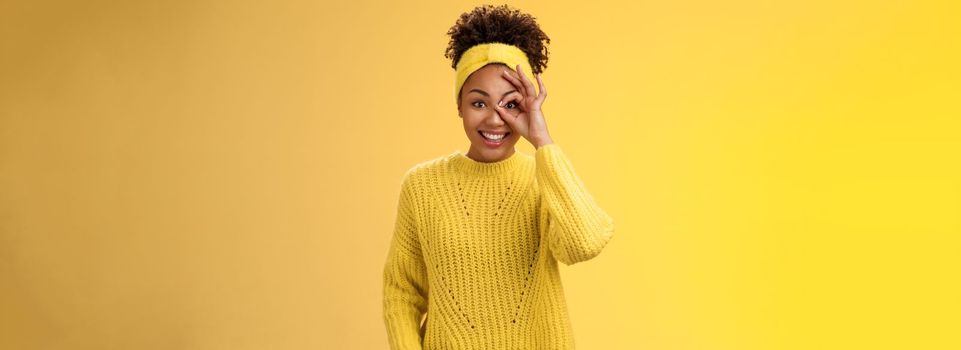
x,y
475,247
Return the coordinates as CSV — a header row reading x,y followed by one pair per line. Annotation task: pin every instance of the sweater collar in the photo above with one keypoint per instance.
x,y
461,162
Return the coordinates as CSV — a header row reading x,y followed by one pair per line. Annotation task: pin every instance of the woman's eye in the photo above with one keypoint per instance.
x,y
478,103
511,104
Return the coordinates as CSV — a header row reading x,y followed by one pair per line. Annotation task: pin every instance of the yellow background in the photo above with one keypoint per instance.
x,y
224,174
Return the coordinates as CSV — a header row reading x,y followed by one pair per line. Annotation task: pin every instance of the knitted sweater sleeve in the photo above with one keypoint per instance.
x,y
405,276
577,228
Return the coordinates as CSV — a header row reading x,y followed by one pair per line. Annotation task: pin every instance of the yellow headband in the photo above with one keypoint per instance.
x,y
482,54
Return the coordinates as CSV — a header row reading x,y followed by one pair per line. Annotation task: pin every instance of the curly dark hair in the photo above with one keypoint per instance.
x,y
502,24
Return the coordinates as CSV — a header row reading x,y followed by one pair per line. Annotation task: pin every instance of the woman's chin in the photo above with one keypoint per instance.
x,y
495,151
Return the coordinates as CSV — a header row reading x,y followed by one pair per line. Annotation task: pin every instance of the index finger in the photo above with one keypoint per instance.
x,y
510,97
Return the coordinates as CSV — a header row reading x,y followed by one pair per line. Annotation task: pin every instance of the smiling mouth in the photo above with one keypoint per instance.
x,y
494,140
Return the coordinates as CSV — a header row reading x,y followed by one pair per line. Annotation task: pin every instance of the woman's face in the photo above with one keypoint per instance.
x,y
478,97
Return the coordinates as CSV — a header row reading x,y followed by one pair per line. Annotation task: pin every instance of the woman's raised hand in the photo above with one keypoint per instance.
x,y
528,121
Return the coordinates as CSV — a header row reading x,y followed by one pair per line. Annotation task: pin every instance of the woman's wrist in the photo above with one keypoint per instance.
x,y
541,141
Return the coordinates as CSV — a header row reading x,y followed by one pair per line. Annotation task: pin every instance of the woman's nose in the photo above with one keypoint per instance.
x,y
495,119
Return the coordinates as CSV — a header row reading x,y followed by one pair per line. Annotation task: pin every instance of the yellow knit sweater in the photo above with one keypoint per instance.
x,y
475,247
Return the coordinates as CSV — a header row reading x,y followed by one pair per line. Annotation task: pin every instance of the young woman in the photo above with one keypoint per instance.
x,y
478,235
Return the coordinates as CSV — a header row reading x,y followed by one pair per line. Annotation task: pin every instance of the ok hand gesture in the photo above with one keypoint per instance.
x,y
529,120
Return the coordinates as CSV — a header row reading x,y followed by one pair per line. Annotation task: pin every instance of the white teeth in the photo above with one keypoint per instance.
x,y
493,137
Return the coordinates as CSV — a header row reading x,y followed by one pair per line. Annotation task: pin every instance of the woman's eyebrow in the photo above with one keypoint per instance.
x,y
482,92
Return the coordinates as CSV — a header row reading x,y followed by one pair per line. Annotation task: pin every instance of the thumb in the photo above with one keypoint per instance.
x,y
507,117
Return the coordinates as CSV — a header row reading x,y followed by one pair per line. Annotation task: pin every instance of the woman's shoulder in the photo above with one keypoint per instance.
x,y
427,168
